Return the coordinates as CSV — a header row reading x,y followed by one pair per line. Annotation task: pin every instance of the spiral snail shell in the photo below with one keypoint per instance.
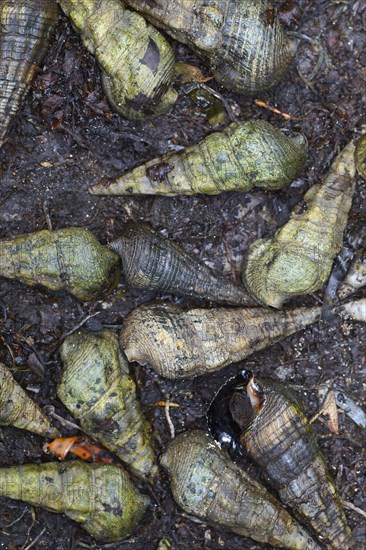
x,y
137,62
298,259
26,30
243,155
270,425
98,390
152,262
69,259
243,41
207,484
100,497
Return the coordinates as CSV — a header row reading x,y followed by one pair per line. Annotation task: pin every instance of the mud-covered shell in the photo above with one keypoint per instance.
x,y
25,34
152,262
98,390
277,435
69,259
207,484
299,258
243,41
19,410
100,497
136,60
181,343
242,156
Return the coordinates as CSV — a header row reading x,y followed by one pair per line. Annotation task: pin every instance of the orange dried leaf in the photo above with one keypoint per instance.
x,y
80,446
189,73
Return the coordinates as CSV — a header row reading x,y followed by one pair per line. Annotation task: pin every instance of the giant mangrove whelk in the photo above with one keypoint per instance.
x,y
206,483
181,343
19,410
244,42
100,497
69,259
242,156
98,390
298,259
274,431
137,62
152,262
25,35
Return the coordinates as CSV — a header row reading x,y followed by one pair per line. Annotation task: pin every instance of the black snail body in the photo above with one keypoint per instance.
x,y
25,34
243,41
264,420
152,262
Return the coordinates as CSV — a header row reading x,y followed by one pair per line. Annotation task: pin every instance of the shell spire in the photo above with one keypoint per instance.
x,y
19,410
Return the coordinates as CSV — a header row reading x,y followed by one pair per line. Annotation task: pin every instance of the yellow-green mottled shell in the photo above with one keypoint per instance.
x,y
243,41
136,60
19,410
69,259
244,155
298,260
98,390
100,497
207,484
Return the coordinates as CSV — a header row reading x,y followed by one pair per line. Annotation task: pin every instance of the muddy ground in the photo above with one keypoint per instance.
x,y
67,138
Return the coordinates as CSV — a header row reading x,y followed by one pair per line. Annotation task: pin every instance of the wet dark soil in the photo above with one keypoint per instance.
x,y
67,138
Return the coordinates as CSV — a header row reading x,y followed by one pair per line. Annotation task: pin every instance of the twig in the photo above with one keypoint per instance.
x,y
50,411
168,419
35,540
47,215
354,508
82,322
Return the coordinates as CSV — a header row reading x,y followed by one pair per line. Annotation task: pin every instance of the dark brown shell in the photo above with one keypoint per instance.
x,y
26,30
152,262
278,436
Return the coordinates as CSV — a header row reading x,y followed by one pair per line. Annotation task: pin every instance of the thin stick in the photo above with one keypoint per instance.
x,y
35,540
168,419
354,508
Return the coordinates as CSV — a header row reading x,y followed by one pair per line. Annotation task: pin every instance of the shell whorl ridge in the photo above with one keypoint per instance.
x,y
26,29
280,439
